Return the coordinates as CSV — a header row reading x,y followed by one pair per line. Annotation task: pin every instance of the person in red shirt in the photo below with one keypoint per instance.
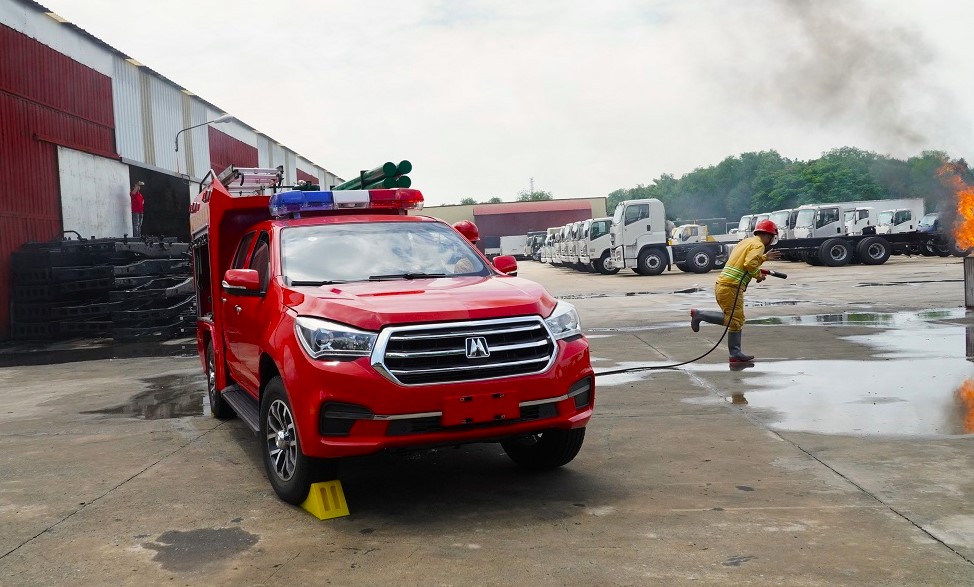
x,y
138,208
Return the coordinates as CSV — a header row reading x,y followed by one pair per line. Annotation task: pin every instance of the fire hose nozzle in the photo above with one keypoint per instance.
x,y
777,274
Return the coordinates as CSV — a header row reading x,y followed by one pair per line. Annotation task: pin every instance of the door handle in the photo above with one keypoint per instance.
x,y
238,309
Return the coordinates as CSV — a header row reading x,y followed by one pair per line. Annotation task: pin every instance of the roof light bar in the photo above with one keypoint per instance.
x,y
299,202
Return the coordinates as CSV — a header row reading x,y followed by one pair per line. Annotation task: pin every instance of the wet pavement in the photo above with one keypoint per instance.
x,y
841,457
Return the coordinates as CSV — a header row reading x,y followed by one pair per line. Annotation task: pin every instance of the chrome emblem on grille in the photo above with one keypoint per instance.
x,y
477,347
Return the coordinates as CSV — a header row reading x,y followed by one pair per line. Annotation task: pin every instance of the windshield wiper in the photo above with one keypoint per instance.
x,y
405,276
316,283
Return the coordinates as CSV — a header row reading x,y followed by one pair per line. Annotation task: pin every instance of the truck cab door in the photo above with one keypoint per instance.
x,y
244,320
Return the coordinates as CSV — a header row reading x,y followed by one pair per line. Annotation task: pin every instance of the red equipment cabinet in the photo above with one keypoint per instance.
x,y
336,325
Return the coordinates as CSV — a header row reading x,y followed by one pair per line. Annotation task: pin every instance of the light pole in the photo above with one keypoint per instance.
x,y
218,120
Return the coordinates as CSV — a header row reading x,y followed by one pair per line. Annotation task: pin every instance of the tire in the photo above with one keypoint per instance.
x,y
812,259
957,251
682,266
602,266
700,260
218,406
835,252
546,450
290,472
651,262
873,250
926,249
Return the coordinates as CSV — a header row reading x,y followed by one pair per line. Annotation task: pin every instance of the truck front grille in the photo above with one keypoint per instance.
x,y
464,351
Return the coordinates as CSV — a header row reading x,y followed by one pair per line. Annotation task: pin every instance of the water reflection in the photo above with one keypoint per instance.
x,y
918,383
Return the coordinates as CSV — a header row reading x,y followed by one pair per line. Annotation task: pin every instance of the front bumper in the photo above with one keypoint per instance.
x,y
346,408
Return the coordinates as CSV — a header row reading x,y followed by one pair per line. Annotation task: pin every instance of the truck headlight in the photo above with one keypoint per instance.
x,y
563,322
321,338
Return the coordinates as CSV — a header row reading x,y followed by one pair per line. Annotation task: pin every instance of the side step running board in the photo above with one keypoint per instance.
x,y
244,404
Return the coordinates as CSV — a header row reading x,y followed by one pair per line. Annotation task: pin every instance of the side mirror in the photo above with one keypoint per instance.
x,y
241,281
506,264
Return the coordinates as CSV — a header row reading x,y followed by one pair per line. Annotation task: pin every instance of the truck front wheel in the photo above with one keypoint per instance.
x,y
651,262
546,450
290,472
605,266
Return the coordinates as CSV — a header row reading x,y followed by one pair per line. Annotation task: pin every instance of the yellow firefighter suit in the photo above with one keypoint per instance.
x,y
743,264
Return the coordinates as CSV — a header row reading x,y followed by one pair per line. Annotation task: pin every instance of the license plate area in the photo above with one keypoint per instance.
x,y
477,409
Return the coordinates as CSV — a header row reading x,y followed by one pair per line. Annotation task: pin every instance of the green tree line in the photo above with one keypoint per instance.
x,y
765,181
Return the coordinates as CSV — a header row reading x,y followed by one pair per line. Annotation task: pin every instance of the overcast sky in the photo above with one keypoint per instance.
x,y
585,97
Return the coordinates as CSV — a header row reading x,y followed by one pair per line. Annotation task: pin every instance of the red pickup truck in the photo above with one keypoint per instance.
x,y
334,324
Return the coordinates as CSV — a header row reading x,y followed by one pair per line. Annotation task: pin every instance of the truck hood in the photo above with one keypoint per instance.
x,y
372,305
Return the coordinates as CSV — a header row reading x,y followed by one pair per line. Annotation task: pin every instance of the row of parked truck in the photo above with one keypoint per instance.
x,y
639,237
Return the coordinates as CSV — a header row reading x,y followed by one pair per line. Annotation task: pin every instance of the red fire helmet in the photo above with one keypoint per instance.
x,y
766,226
469,230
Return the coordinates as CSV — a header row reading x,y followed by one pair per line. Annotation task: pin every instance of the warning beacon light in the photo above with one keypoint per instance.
x,y
294,203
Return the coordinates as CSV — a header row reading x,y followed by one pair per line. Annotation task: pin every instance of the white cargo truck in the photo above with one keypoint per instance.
x,y
640,242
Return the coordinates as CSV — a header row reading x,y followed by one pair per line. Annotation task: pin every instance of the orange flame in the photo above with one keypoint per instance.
x,y
965,399
964,226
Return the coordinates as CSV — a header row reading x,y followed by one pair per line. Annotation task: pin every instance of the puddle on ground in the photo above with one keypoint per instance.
x,y
919,383
896,283
897,319
167,396
188,551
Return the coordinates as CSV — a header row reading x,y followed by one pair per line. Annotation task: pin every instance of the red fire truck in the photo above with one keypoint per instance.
x,y
334,324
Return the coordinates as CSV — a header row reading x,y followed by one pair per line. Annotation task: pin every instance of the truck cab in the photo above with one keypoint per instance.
x,y
581,245
861,220
817,221
639,240
597,247
336,324
897,221
784,220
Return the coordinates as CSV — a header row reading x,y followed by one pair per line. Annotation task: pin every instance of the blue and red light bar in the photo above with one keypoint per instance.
x,y
298,202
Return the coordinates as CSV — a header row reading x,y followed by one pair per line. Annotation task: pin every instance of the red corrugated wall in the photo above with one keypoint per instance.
x,y
46,99
226,151
305,176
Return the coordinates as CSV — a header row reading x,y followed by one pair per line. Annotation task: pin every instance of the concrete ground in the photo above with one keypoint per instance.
x,y
842,458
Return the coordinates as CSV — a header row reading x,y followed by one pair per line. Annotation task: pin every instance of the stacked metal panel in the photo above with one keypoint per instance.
x,y
118,288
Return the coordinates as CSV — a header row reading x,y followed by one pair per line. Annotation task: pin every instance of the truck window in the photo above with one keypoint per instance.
x,y
827,216
599,228
636,213
240,258
902,216
260,261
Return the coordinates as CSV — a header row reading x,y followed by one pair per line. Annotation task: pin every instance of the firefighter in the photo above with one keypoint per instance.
x,y
743,265
469,230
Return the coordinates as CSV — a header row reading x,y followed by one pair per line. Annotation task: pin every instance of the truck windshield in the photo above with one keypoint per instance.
x,y
617,216
886,217
780,219
745,223
339,253
928,220
805,218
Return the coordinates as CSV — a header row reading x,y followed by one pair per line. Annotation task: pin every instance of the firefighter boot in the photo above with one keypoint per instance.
x,y
698,316
734,346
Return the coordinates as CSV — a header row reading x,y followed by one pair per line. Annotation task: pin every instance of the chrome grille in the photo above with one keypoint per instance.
x,y
437,353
